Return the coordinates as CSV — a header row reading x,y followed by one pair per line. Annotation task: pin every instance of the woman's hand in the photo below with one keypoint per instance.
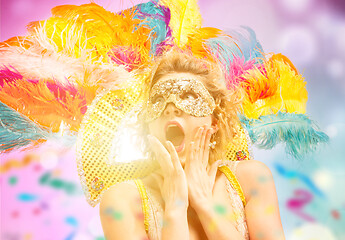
x,y
171,179
200,175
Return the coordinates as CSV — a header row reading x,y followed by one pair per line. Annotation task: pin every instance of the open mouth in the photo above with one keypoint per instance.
x,y
175,135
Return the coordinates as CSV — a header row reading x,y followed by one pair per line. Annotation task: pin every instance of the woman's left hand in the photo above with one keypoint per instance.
x,y
200,175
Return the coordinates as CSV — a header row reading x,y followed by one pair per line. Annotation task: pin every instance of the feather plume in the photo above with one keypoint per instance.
x,y
157,18
300,134
74,29
238,66
37,62
7,75
18,131
45,102
185,19
272,88
228,48
197,40
248,45
18,41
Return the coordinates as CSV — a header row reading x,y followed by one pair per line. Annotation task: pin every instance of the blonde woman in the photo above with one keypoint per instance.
x,y
196,193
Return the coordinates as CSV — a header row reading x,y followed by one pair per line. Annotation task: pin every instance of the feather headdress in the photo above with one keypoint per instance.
x,y
84,70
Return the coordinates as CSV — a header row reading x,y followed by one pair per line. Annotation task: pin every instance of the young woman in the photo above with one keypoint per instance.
x,y
196,193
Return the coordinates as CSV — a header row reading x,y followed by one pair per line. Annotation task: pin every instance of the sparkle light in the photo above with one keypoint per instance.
x,y
313,231
323,179
296,6
335,68
95,227
299,43
331,131
49,160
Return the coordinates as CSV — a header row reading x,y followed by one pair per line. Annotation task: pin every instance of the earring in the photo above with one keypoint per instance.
x,y
212,145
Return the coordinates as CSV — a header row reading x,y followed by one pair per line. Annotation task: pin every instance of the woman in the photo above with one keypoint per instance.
x,y
196,193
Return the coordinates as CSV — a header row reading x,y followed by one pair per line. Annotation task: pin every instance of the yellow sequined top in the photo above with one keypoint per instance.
x,y
153,211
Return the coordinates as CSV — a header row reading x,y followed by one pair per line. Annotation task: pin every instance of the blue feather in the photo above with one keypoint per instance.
x,y
157,18
243,44
300,134
18,131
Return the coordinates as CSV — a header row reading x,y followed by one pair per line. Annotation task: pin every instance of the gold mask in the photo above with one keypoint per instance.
x,y
189,95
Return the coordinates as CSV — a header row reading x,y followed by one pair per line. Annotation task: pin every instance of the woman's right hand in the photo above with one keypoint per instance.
x,y
171,178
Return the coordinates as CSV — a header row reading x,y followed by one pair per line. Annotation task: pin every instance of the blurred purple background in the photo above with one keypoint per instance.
x,y
43,200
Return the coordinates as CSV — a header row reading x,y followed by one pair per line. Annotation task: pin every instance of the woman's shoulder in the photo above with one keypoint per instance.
x,y
252,168
252,176
120,193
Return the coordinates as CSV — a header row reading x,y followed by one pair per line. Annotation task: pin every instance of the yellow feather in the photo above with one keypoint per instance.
x,y
280,89
185,19
89,30
197,39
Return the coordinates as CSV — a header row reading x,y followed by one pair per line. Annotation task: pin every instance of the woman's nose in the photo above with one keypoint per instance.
x,y
172,109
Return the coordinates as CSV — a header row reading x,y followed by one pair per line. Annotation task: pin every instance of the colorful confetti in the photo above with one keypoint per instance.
x,y
114,214
296,204
13,180
69,187
335,214
15,214
70,236
71,221
269,210
220,209
36,211
26,197
11,164
259,235
291,174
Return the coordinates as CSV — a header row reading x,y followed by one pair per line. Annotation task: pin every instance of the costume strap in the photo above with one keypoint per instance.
x,y
144,202
234,182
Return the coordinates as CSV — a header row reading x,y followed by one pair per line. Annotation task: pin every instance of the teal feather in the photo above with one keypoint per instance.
x,y
18,131
157,18
243,44
247,42
299,133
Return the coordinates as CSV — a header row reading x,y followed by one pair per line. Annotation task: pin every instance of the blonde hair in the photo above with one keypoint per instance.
x,y
227,101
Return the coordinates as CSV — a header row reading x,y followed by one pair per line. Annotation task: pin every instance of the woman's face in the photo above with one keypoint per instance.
x,y
174,124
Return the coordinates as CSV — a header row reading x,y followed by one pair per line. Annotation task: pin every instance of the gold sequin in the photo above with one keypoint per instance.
x,y
234,182
144,202
189,95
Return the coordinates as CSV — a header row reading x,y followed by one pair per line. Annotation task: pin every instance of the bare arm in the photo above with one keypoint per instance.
x,y
175,224
119,213
262,210
121,216
216,226
201,179
173,187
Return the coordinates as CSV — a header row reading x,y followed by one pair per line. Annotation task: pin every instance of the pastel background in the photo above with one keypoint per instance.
x,y
41,199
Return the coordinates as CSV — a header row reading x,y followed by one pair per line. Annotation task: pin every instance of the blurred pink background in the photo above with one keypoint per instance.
x,y
43,200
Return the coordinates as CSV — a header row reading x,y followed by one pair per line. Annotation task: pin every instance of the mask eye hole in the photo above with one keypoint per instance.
x,y
157,99
189,96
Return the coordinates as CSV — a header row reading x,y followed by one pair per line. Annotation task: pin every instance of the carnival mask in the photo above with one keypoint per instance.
x,y
189,95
